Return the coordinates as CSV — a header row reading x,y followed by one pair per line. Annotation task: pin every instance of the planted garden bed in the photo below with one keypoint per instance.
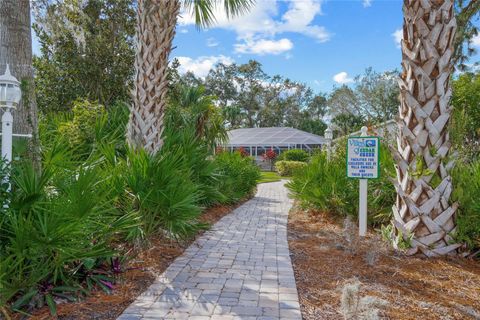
x,y
140,273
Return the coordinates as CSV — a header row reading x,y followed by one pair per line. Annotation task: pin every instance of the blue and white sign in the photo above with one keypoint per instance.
x,y
363,157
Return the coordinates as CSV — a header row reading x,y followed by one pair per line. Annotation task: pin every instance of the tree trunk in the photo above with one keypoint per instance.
x,y
155,33
424,185
16,50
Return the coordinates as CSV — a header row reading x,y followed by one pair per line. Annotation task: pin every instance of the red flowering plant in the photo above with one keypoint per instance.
x,y
270,156
243,152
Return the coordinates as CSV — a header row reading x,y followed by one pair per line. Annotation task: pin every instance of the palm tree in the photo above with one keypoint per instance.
x,y
155,32
193,108
423,213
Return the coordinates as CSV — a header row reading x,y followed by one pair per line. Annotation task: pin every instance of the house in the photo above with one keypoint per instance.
x,y
256,141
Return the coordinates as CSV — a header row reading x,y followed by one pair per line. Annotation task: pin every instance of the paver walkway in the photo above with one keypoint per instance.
x,y
239,269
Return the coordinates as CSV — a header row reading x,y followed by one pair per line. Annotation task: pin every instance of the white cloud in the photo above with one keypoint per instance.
x,y
398,36
263,22
258,19
212,42
342,78
476,40
183,30
367,3
201,65
263,47
299,18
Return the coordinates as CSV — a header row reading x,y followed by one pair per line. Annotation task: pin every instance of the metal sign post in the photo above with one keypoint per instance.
x,y
362,207
363,164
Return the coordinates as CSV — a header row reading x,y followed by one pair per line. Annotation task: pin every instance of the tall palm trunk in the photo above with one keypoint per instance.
x,y
16,50
424,184
155,33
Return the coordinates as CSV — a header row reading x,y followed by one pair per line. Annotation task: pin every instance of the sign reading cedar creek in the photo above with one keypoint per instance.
x,y
363,157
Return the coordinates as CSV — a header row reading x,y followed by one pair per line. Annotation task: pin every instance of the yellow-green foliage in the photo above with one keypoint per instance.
x,y
294,155
287,168
80,129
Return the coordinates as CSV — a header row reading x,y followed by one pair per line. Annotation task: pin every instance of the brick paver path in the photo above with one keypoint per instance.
x,y
240,269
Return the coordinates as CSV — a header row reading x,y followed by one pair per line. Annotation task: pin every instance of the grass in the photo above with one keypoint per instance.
x,y
270,176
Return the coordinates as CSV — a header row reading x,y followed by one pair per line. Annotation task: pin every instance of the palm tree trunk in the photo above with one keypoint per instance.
x,y
424,185
16,50
155,33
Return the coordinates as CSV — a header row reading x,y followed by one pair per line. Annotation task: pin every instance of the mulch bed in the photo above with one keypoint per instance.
x,y
148,262
325,258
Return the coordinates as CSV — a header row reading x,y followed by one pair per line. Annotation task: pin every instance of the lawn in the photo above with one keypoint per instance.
x,y
270,176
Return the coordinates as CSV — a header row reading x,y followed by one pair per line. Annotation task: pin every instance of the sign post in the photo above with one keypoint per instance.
x,y
362,208
363,164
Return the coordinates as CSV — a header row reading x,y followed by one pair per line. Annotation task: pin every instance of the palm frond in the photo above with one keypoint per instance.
x,y
204,10
235,8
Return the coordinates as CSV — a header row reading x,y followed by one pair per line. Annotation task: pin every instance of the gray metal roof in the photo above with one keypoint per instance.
x,y
272,136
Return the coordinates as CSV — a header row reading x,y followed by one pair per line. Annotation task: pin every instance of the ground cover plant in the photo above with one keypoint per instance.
x,y
57,232
68,226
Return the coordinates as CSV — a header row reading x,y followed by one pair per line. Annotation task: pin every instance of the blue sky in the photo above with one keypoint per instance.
x,y
319,42
322,43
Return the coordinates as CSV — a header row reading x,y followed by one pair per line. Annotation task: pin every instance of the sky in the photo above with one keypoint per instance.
x,y
323,43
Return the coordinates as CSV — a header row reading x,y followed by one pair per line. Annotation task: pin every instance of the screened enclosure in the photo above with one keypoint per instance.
x,y
256,141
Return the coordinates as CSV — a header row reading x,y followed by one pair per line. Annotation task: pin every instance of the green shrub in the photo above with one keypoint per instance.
x,y
88,128
58,231
191,108
324,185
170,188
288,168
381,192
196,158
466,179
239,175
163,191
294,155
81,129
